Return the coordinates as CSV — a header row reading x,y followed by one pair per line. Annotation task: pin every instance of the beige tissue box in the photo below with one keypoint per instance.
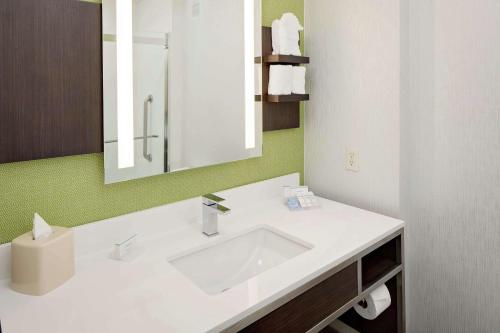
x,y
39,266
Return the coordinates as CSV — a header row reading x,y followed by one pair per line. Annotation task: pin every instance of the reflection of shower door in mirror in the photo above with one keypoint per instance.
x,y
150,61
151,23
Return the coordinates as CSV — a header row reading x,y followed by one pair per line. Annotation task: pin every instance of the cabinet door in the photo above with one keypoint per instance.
x,y
308,309
51,86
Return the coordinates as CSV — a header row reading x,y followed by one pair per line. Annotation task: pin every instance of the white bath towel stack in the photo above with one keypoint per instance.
x,y
285,35
275,36
286,79
299,80
280,80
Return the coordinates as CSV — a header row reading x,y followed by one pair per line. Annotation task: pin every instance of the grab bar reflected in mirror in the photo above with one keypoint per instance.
x,y
136,138
148,101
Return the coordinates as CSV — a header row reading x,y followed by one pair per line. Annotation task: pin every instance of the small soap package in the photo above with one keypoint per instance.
x,y
294,191
299,197
43,264
308,200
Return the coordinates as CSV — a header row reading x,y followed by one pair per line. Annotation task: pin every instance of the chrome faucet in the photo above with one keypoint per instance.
x,y
211,210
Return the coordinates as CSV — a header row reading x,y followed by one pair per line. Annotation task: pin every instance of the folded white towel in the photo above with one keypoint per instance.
x,y
275,28
280,80
289,37
299,80
291,21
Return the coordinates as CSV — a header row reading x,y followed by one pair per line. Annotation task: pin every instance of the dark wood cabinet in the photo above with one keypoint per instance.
x,y
332,295
51,86
306,310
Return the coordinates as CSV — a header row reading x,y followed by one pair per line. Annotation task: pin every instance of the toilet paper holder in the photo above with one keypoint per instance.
x,y
363,303
374,303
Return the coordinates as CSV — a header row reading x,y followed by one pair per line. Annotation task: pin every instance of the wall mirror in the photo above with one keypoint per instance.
x,y
179,85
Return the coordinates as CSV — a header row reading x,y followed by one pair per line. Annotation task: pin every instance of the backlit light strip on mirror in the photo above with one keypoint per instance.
x,y
249,17
125,83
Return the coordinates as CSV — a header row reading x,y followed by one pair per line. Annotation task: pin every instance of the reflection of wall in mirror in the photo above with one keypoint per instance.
x,y
149,16
153,16
206,83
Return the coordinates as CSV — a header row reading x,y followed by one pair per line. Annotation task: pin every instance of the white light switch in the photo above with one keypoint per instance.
x,y
352,160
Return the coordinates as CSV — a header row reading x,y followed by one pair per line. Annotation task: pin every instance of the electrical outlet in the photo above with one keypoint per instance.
x,y
196,9
352,160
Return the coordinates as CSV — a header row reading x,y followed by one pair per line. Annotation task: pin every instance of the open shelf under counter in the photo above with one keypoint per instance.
x,y
381,262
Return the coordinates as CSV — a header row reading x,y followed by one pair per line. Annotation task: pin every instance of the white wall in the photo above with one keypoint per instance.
x,y
441,76
451,166
355,96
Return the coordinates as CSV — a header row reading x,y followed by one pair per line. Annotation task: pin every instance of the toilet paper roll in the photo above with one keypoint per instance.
x,y
377,302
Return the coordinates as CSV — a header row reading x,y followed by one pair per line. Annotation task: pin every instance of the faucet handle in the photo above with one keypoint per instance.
x,y
221,210
211,199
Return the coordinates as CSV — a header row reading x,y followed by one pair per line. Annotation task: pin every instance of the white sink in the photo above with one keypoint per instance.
x,y
226,263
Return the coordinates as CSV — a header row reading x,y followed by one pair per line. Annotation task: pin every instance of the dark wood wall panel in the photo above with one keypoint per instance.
x,y
275,116
51,86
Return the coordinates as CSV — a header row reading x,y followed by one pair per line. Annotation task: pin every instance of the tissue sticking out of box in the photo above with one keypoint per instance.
x,y
41,229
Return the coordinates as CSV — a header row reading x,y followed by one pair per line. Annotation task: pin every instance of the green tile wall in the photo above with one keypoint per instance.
x,y
70,191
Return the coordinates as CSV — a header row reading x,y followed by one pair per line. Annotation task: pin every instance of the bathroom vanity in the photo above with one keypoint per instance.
x,y
305,269
162,99
319,302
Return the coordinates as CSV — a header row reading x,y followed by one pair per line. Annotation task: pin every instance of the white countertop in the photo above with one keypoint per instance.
x,y
150,295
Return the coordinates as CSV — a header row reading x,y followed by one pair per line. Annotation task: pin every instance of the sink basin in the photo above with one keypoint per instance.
x,y
226,263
